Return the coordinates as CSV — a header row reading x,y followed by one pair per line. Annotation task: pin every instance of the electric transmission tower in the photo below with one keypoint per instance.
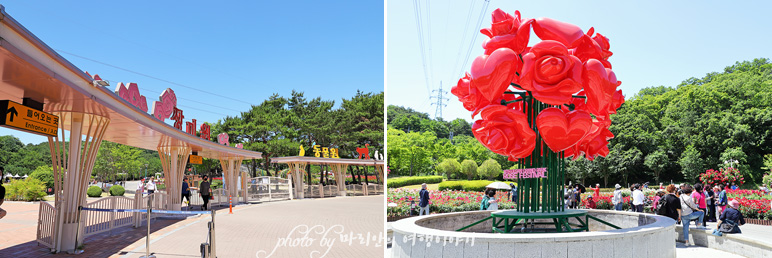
x,y
440,101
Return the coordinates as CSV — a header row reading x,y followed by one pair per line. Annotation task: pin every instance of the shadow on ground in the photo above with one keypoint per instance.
x,y
118,241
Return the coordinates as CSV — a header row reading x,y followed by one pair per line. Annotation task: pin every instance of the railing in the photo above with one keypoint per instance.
x,y
330,190
220,197
98,222
374,189
46,218
311,191
354,190
266,188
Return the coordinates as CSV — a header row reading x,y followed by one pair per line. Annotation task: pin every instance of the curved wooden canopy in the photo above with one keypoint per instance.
x,y
31,69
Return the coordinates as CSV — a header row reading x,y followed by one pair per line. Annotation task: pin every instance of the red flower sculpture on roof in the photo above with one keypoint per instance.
x,y
568,68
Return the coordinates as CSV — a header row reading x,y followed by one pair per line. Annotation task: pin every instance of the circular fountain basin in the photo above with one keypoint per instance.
x,y
641,235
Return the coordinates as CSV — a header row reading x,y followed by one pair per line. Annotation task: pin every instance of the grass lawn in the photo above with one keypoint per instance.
x,y
428,186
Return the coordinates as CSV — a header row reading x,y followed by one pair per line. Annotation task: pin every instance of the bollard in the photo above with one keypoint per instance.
x,y
230,203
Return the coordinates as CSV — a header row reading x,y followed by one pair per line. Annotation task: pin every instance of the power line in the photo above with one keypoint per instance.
x,y
463,38
199,102
419,29
440,98
152,77
483,10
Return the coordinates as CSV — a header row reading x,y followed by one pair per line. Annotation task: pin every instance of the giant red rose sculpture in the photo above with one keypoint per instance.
x,y
558,92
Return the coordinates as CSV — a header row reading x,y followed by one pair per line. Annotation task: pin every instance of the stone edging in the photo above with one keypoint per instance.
x,y
624,242
732,243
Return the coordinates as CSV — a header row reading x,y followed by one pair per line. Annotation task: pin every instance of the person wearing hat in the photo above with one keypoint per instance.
x,y
596,190
616,200
590,202
732,216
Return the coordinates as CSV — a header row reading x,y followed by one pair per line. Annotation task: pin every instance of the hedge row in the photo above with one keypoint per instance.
x,y
413,180
466,185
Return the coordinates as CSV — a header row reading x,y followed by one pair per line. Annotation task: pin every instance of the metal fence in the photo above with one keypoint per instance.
x,y
265,188
97,222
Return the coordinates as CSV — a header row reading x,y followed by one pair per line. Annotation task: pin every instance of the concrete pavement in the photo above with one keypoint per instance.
x,y
329,227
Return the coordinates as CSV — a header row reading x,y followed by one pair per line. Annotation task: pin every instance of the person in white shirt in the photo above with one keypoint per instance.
x,y
150,186
638,198
689,211
617,198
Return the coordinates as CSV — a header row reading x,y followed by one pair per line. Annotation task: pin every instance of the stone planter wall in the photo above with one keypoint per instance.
x,y
645,235
759,222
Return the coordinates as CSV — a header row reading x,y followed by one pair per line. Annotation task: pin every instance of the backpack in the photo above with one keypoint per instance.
x,y
662,206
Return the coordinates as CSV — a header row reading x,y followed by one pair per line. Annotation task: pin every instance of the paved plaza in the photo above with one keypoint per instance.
x,y
329,227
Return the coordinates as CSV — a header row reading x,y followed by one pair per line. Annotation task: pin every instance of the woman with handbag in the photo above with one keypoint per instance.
x,y
731,220
689,211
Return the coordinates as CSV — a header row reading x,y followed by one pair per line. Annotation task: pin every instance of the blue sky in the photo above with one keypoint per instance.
x,y
654,42
245,50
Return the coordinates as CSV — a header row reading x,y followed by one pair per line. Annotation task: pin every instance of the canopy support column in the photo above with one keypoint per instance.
x,y
379,173
296,168
72,158
231,167
173,160
340,177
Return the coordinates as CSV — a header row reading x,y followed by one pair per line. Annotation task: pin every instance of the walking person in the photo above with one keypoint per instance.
x,y
617,199
689,211
185,190
424,203
699,198
638,198
150,185
205,191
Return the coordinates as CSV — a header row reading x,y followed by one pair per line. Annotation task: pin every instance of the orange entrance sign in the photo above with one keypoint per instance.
x,y
18,116
195,159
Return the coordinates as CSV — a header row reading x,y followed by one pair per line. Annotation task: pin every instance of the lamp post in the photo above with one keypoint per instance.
x,y
731,162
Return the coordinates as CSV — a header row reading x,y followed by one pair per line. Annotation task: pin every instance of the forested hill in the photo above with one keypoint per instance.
x,y
681,131
662,133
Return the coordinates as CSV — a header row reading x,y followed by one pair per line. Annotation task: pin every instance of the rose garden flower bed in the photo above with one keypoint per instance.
x,y
754,205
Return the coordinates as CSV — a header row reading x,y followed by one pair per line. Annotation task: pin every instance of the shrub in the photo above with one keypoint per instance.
x,y
30,189
94,191
116,190
469,168
413,180
466,185
216,184
449,167
489,169
45,174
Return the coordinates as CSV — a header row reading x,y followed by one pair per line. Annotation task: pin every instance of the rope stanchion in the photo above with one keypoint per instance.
x,y
149,210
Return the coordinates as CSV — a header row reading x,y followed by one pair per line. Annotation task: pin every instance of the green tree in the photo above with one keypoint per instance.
x,y
656,162
489,169
469,168
449,167
691,163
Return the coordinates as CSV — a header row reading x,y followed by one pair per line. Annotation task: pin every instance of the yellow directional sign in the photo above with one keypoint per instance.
x,y
18,116
195,159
